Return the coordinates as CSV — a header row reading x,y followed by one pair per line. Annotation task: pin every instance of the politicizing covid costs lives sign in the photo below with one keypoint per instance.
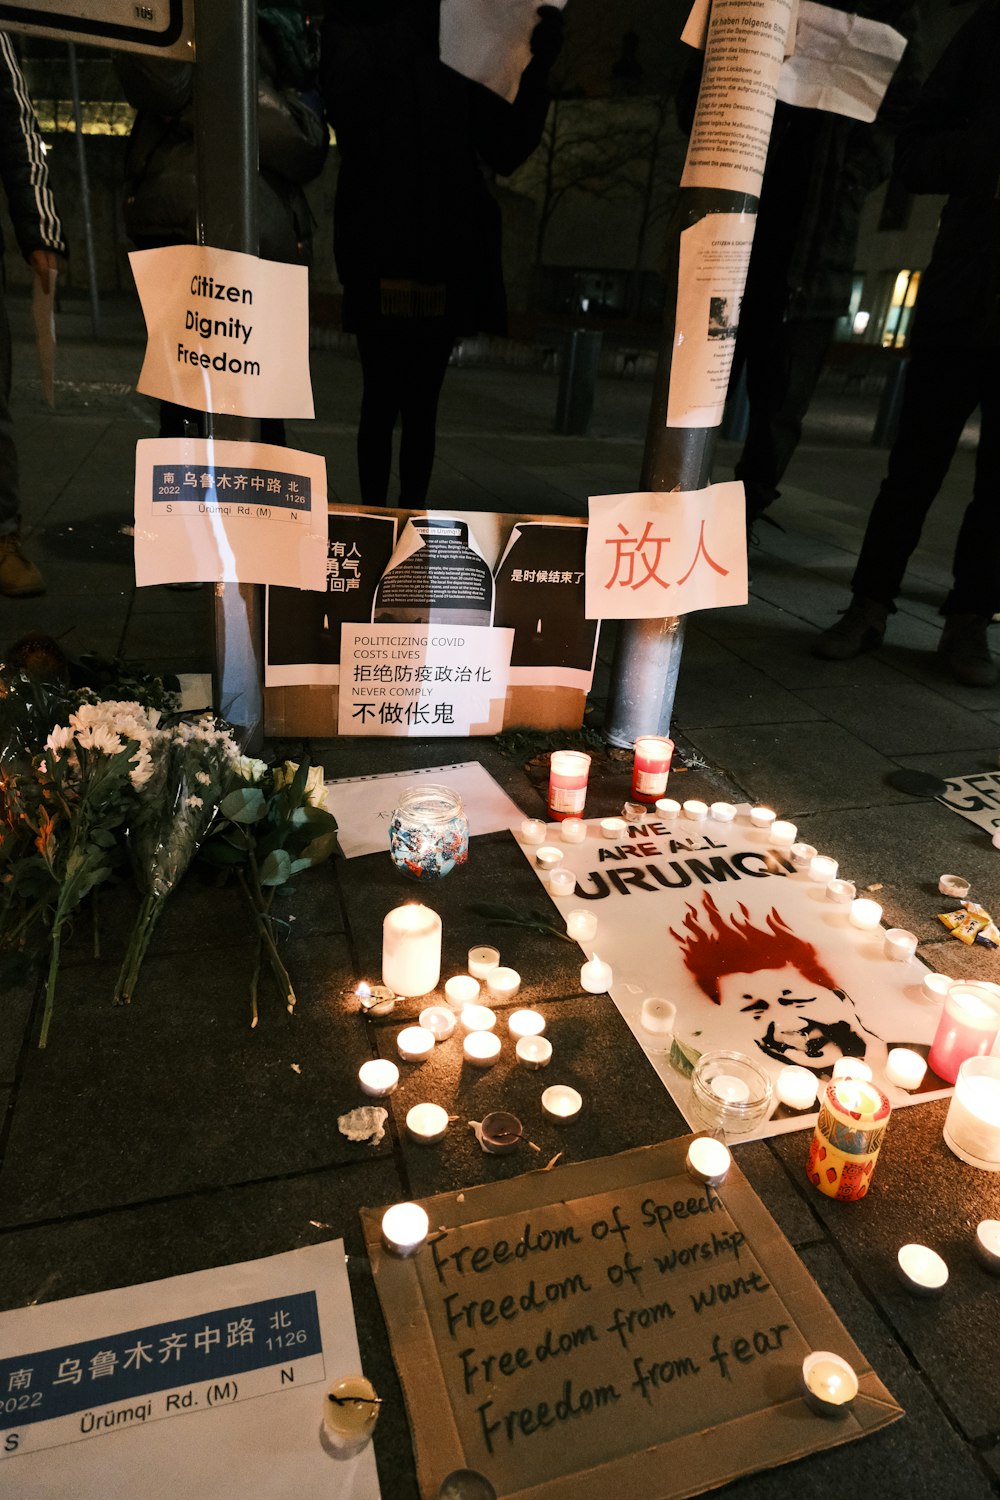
x,y
183,1386
225,332
423,680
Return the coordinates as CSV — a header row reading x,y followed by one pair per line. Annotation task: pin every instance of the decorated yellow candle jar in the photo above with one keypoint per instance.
x,y
847,1138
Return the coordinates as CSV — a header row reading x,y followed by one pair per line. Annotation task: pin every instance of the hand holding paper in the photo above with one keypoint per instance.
x,y
489,41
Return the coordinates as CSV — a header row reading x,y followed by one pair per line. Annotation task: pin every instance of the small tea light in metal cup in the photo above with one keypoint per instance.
x,y
987,1245
921,1270
865,915
500,1132
439,1021
478,1018
548,856
482,960
350,1411
375,999
935,986
405,1227
796,1088
466,1484
613,828
562,882
899,945
503,983
841,892
426,1123
596,977
656,1024
696,810
823,869
378,1078
481,1048
573,830
525,1023
561,1104
802,855
829,1384
955,886
581,925
668,807
723,812
762,817
852,1067
533,831
783,834
415,1044
462,990
533,1051
708,1160
905,1068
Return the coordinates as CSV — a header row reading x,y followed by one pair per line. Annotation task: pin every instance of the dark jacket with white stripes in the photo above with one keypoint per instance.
x,y
23,167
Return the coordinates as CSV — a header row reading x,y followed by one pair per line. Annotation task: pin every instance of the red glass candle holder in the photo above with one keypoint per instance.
x,y
651,767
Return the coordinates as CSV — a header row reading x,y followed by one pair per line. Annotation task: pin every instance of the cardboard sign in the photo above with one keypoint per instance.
x,y
976,798
187,1385
750,951
225,332
585,1331
654,555
405,680
222,512
714,256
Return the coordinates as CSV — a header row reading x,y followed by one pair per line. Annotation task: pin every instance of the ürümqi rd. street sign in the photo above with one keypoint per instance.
x,y
162,27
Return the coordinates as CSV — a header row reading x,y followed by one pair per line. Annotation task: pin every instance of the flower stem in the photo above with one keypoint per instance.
x,y
262,917
142,932
50,982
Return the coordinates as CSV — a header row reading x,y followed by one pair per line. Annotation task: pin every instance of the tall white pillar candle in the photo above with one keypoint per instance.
x,y
411,949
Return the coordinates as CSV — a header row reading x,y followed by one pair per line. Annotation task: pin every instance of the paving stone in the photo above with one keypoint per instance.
x,y
897,718
734,693
788,1199
14,1013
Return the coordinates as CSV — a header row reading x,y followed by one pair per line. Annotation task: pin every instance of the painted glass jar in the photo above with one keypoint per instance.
x,y
429,832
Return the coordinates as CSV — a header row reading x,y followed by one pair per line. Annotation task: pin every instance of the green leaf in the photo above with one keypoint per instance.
x,y
276,868
509,916
298,865
102,838
247,805
683,1058
321,848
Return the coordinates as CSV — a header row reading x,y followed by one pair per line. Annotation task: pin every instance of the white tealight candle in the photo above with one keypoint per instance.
x,y
411,949
426,1123
783,833
503,983
482,960
378,1078
802,855
922,1270
762,817
481,1048
561,1103
987,1245
350,1412
596,976
730,1089
829,1384
613,828
525,1023
581,924
796,1087
668,807
573,830
477,1018
656,1021
899,944
533,1051
462,990
852,1067
905,1068
533,831
415,1044
708,1160
562,882
548,856
935,986
438,1021
865,914
404,1228
723,812
822,869
696,810
841,892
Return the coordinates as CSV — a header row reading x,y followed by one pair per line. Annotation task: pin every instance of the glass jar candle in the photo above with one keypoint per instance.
x,y
569,771
969,1024
847,1138
429,832
651,767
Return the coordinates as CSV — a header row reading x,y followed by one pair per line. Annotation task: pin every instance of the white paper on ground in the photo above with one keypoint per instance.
x,y
714,256
257,1411
211,511
490,40
43,303
842,63
363,805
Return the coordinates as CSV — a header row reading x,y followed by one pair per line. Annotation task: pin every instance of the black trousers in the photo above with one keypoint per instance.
x,y
403,365
943,388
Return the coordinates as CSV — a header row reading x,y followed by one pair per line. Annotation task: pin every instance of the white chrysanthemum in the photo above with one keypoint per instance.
x,y
193,802
202,778
251,770
60,739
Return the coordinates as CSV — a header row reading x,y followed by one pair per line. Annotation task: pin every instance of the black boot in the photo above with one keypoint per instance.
x,y
860,628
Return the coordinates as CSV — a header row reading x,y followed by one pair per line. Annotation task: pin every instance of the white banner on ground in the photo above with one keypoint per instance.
x,y
652,555
752,953
975,797
225,332
196,1385
363,805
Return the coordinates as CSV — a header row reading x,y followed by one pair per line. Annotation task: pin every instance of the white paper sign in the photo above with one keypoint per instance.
x,y
842,63
650,556
976,798
751,952
195,1385
220,512
490,40
363,805
423,679
714,256
225,332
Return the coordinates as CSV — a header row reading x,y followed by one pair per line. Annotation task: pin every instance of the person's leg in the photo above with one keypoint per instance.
x,y
380,357
783,367
19,578
424,369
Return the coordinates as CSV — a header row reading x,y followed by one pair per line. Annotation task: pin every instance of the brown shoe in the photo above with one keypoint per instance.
x,y
19,578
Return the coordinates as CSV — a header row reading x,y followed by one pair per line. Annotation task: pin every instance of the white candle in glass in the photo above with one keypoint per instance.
x,y
822,869
921,1270
503,983
404,1228
829,1384
378,1078
533,1051
729,1088
723,812
668,807
802,855
533,831
411,949
482,960
561,1103
613,828
547,856
426,1123
350,1411
438,1021
865,915
656,1021
525,1023
762,817
900,945
783,833
796,1087
935,986
596,976
477,1018
573,830
696,810
987,1245
562,882
841,892
972,1124
708,1160
462,990
581,924
852,1067
415,1044
905,1068
481,1048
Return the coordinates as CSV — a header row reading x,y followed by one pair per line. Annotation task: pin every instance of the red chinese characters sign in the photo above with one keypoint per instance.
x,y
655,555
